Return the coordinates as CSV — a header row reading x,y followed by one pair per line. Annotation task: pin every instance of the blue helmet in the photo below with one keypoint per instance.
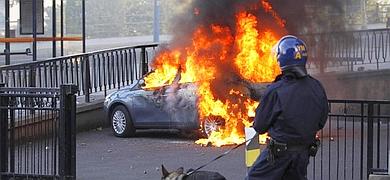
x,y
291,53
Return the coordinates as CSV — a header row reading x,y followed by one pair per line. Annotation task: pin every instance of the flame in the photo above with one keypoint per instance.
x,y
268,8
263,138
164,72
255,50
215,52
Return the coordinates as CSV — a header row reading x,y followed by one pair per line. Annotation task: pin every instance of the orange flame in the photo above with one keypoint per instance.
x,y
255,60
268,8
213,52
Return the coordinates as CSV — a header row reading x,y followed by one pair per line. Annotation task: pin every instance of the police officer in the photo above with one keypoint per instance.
x,y
292,110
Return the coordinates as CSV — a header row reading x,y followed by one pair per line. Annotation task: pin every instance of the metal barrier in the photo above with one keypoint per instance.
x,y
93,72
38,133
355,141
369,49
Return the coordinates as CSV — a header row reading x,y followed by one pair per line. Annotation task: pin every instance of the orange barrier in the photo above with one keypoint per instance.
x,y
30,39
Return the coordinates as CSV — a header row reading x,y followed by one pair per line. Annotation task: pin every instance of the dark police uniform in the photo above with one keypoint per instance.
x,y
292,110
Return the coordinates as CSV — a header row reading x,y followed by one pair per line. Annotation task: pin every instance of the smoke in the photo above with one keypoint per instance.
x,y
323,26
215,12
301,17
206,13
311,16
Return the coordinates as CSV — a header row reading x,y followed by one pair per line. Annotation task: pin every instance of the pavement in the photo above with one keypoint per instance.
x,y
100,155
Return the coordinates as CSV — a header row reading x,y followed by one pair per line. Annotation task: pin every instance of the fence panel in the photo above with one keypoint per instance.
x,y
349,51
354,142
37,128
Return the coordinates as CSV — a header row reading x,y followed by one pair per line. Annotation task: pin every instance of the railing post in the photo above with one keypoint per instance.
x,y
32,76
144,63
3,135
370,138
87,79
67,132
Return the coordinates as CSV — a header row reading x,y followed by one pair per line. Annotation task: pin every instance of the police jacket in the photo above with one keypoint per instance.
x,y
292,110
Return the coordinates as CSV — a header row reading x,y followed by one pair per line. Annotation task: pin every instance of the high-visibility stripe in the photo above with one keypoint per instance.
x,y
252,148
251,156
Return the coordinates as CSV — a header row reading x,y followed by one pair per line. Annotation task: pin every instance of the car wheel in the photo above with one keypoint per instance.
x,y
121,123
211,124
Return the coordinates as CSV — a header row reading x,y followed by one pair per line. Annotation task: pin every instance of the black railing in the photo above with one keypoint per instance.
x,y
104,70
351,50
37,133
93,72
355,141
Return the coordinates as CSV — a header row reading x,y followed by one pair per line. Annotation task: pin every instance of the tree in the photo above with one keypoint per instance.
x,y
72,16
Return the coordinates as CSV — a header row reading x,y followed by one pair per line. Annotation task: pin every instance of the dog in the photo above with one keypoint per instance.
x,y
198,175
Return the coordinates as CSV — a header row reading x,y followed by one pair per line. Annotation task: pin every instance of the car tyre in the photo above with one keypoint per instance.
x,y
212,123
121,122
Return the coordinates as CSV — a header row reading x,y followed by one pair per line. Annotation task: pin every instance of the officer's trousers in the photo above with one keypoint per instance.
x,y
289,166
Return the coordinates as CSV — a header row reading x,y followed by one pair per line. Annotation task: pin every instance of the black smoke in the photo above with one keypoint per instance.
x,y
302,16
319,23
311,16
217,12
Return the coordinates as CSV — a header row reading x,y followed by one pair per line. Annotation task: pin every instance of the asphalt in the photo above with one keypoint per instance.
x,y
100,155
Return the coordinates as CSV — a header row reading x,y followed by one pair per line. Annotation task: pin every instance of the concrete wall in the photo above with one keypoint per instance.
x,y
373,85
90,116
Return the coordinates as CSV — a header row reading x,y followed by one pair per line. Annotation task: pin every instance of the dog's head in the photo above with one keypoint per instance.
x,y
175,175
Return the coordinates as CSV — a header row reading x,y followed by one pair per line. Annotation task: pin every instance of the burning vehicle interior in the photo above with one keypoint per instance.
x,y
212,74
173,105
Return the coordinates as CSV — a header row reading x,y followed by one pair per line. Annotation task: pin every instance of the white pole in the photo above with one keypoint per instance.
x,y
156,21
364,11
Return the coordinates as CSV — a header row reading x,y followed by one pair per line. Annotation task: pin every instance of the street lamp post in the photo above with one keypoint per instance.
x,y
54,28
34,28
83,21
364,13
7,33
156,21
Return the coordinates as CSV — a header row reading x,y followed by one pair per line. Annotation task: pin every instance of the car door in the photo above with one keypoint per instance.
x,y
180,103
147,109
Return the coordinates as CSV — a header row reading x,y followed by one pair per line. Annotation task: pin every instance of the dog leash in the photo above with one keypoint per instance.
x,y
218,157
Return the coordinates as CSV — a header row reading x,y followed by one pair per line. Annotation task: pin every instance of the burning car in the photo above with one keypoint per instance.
x,y
172,106
220,58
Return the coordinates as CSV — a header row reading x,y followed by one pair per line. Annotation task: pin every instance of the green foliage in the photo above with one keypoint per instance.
x,y
72,17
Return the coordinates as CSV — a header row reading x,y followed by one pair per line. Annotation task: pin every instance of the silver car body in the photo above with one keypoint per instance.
x,y
166,107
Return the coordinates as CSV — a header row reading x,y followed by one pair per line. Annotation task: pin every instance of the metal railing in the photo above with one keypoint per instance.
x,y
93,72
366,49
354,142
100,71
38,133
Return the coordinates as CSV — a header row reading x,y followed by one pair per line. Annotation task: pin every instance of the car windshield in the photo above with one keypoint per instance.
x,y
176,80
